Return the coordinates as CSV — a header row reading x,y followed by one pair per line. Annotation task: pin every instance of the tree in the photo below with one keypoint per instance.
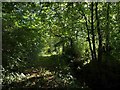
x,y
107,33
99,34
93,32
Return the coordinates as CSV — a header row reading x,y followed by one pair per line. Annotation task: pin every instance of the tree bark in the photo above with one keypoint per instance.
x,y
88,34
118,14
107,33
99,35
93,33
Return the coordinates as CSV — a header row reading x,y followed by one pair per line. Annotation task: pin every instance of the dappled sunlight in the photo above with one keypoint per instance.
x,y
60,45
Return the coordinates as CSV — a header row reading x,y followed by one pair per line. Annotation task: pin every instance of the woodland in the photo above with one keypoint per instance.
x,y
61,45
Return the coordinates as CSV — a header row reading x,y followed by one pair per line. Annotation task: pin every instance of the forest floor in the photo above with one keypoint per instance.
x,y
46,72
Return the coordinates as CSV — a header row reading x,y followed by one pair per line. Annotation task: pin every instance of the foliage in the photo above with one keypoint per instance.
x,y
61,44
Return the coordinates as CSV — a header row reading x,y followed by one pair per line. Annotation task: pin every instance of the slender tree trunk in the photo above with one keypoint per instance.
x,y
88,34
90,43
88,38
107,33
93,33
99,35
118,14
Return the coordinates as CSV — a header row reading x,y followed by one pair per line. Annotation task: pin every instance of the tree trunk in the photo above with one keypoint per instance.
x,y
88,33
93,33
118,14
99,35
107,33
